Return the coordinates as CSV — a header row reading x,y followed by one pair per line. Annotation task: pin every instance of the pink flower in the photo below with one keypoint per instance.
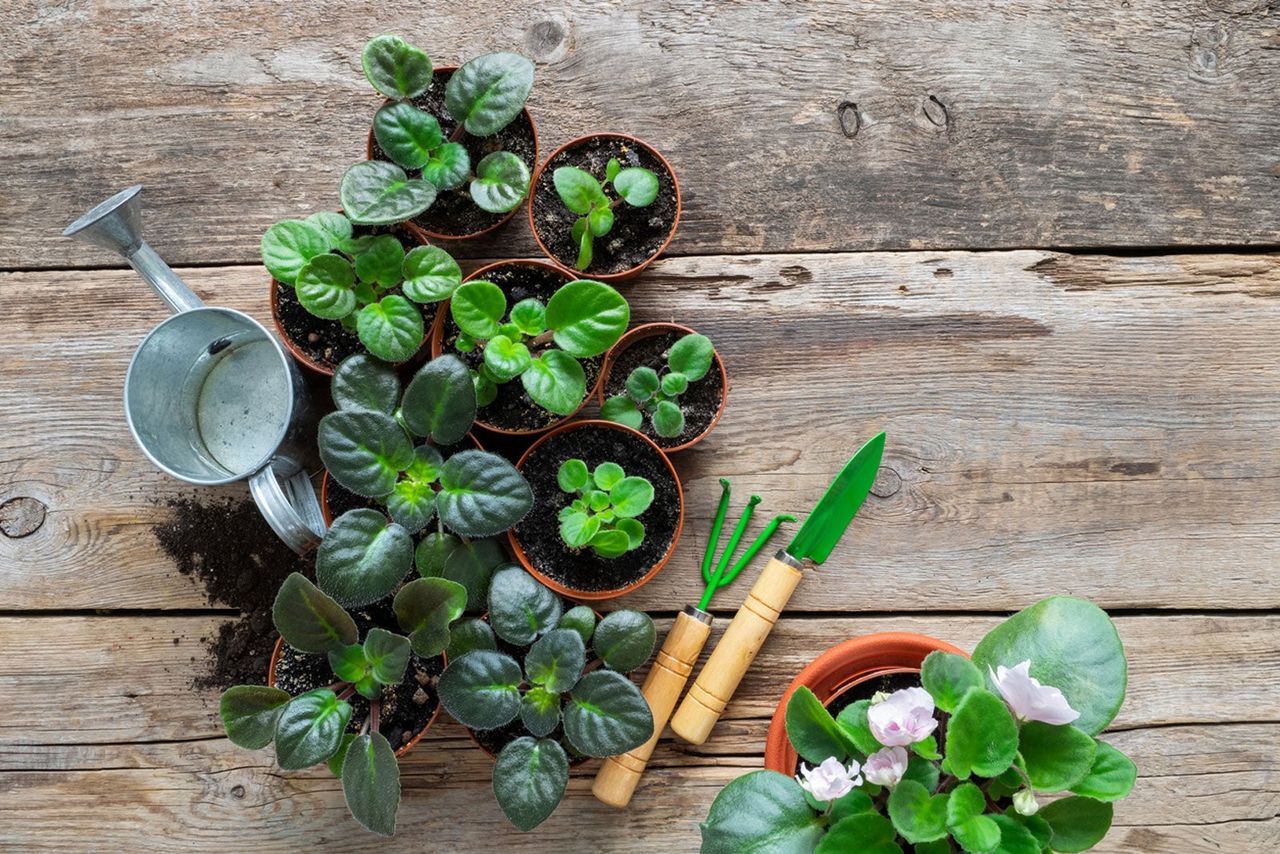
x,y
886,767
902,718
830,780
1028,699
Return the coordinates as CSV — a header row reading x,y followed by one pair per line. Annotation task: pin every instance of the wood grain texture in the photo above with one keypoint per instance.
x,y
1091,425
794,126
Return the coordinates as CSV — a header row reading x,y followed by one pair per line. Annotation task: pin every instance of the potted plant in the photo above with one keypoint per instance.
x,y
966,756
586,482
337,288
525,675
451,150
604,205
533,341
353,691
666,381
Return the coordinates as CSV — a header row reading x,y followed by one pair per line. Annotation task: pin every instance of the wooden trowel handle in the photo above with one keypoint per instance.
x,y
620,775
720,676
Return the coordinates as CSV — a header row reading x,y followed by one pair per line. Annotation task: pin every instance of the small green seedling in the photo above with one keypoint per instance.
x,y
367,283
658,395
603,515
315,727
482,97
540,344
583,194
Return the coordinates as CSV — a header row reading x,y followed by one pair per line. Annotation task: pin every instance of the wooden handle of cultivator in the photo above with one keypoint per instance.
x,y
619,776
720,676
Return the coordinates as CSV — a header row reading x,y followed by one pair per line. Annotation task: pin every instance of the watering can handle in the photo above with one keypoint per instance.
x,y
290,507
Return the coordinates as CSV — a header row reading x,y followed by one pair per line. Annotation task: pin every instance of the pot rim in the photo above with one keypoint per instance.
x,y
600,595
632,272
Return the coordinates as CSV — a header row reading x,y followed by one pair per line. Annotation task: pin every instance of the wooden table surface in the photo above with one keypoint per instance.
x,y
1034,241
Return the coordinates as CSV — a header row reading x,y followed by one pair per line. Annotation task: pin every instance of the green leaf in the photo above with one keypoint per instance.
x,y
430,274
581,619
482,689
407,134
249,714
506,359
622,410
556,382
638,186
477,308
975,832
853,803
674,384
609,543
521,609
572,475
923,772
529,780
374,192
308,620
425,607
337,226
853,720
643,383
582,236
631,496
624,640
607,474
668,420
577,529
529,316
363,557
412,504
365,382
764,812
1110,778
600,221
396,68
371,782
309,729
597,500
481,494
287,247
1078,823
487,93
1014,837
691,356
472,565
606,715
978,835
588,317
577,188
948,677
1056,757
864,833
364,450
982,737
540,710
634,531
612,168
390,329
325,287
555,661
812,731
380,261
387,652
502,180
449,166
1035,825
927,748
348,663
1073,646
468,636
918,816
440,401
335,761
433,552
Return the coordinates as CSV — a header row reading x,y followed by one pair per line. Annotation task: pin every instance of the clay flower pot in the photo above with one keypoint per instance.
x,y
545,206
422,231
840,669
576,574
716,379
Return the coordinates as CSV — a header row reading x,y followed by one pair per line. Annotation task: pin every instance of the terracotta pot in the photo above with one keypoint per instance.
x,y
400,751
423,233
437,341
598,595
625,274
649,330
841,668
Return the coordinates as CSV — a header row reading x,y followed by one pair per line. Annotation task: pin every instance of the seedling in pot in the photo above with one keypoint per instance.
x,y
585,196
657,396
602,713
483,96
539,344
313,727
603,514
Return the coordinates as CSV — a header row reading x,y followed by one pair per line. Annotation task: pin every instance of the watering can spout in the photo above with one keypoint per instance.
x,y
116,224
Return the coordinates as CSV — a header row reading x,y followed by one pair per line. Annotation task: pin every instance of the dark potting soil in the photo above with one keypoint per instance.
x,y
229,549
637,233
539,533
700,402
512,409
454,212
866,690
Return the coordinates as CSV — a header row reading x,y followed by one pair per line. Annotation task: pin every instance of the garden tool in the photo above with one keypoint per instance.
x,y
720,676
211,396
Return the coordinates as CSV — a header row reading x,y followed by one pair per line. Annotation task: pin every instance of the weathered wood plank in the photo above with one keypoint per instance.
x,y
1093,425
815,125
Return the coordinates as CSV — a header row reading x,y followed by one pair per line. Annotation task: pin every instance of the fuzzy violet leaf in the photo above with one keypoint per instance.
x,y
556,382
624,640
430,274
540,711
812,731
375,192
520,609
249,714
501,182
287,247
391,328
365,382
308,620
636,186
606,715
309,729
555,661
407,134
487,93
363,557
1110,778
1056,757
371,782
529,780
325,287
866,833
471,564
482,494
379,261
448,166
581,619
470,635
425,608
440,401
982,737
1077,823
587,317
396,68
948,677
481,690
762,811
364,450
917,815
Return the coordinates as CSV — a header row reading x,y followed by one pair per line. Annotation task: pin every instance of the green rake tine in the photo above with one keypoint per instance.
x,y
714,540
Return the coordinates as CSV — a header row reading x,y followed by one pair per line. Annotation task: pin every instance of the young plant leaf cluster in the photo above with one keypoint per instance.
x,y
482,97
539,344
584,195
313,727
368,283
603,515
977,791
384,445
600,711
657,395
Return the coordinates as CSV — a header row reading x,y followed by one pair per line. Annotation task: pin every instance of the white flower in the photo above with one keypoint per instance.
x,y
830,780
904,717
1024,802
886,767
1028,699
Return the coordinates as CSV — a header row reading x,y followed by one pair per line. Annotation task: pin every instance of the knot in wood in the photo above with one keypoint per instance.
x,y
887,483
21,516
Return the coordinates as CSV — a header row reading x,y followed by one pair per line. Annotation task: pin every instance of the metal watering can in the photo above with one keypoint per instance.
x,y
211,396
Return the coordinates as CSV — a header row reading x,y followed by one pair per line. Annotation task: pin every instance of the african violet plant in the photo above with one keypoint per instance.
x,y
603,513
368,446
549,688
313,727
890,774
483,96
368,283
584,195
540,344
658,395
